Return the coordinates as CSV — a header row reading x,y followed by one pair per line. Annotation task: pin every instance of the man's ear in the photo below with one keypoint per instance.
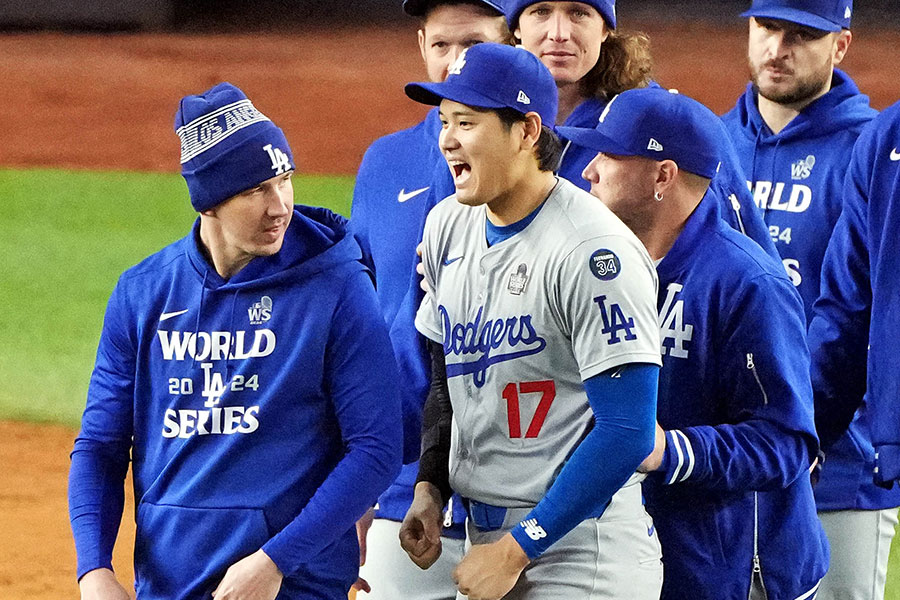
x,y
532,129
421,36
841,45
665,176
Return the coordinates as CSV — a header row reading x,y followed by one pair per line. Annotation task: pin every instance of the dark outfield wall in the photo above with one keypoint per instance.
x,y
266,14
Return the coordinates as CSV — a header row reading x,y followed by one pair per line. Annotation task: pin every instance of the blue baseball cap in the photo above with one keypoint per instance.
x,y
606,8
495,76
825,15
656,124
418,8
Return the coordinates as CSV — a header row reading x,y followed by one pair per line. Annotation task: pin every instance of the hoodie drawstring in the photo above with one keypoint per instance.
x,y
231,335
197,322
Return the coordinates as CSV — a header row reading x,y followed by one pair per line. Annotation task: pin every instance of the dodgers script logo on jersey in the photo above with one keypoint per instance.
x,y
515,335
206,346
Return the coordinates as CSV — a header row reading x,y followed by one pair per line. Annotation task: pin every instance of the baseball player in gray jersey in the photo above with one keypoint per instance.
x,y
542,318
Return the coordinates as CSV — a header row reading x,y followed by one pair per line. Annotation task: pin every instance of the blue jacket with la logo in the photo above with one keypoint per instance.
x,y
732,501
259,412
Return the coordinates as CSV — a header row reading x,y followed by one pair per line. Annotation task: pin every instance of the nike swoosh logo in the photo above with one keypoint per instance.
x,y
651,529
895,156
169,315
403,196
450,261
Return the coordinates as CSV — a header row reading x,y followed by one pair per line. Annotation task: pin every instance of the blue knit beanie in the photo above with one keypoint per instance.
x,y
513,9
227,146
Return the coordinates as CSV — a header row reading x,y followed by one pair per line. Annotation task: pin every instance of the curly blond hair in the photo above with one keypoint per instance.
x,y
625,63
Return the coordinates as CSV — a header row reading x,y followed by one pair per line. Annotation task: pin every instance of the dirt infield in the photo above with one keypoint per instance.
x,y
108,102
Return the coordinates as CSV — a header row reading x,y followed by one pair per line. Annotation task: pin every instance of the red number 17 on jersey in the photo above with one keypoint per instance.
x,y
511,392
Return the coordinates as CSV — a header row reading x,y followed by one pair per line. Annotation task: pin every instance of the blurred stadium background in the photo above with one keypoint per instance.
x,y
89,183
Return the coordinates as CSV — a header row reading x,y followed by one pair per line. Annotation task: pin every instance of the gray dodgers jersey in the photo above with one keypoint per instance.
x,y
523,324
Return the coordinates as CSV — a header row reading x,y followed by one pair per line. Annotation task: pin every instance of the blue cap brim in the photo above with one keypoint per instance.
x,y
593,140
433,93
794,16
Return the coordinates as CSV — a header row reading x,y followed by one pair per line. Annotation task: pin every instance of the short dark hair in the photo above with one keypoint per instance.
x,y
548,149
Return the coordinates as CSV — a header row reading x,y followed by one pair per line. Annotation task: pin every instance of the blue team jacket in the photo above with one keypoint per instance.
x,y
737,208
263,411
401,177
859,306
797,177
733,494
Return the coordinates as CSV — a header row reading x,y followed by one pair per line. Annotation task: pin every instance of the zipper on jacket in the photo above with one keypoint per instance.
x,y
752,367
448,514
757,568
737,211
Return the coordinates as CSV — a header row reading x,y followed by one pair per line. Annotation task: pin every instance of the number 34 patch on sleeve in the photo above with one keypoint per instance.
x,y
605,265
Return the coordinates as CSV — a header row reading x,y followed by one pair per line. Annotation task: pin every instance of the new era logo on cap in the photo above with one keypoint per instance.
x,y
654,145
848,13
523,98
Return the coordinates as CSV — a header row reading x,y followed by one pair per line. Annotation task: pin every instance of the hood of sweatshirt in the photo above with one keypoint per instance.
x,y
316,240
843,107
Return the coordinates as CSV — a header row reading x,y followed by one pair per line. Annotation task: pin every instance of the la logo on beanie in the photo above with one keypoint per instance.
x,y
281,163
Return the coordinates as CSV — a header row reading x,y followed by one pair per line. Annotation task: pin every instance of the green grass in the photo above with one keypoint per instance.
x,y
65,236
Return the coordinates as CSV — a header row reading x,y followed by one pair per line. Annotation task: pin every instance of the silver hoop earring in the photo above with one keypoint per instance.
x,y
657,196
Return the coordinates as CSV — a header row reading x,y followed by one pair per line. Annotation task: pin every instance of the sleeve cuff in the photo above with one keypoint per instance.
x,y
528,534
678,459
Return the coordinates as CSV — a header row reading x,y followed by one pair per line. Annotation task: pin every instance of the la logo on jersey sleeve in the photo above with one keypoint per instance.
x,y
606,266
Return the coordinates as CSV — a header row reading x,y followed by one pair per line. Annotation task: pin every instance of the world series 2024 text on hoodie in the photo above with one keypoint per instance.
x,y
856,320
797,179
260,412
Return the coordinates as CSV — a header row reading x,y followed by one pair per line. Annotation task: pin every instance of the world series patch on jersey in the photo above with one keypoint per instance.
x,y
523,323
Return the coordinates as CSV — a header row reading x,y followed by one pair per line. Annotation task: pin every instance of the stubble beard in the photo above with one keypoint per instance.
x,y
803,88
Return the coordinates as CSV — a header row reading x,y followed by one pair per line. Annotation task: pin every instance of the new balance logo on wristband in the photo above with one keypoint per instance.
x,y
533,530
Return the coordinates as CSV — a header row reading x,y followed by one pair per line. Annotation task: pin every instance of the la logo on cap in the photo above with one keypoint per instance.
x,y
523,98
654,145
457,66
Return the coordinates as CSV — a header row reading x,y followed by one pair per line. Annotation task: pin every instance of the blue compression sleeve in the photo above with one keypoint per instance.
x,y
623,435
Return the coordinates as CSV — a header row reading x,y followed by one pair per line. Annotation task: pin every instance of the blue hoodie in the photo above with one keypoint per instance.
x,y
737,205
401,177
796,177
260,413
732,500
856,320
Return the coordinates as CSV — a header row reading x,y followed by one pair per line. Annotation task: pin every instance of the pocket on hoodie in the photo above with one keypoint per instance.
x,y
183,552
